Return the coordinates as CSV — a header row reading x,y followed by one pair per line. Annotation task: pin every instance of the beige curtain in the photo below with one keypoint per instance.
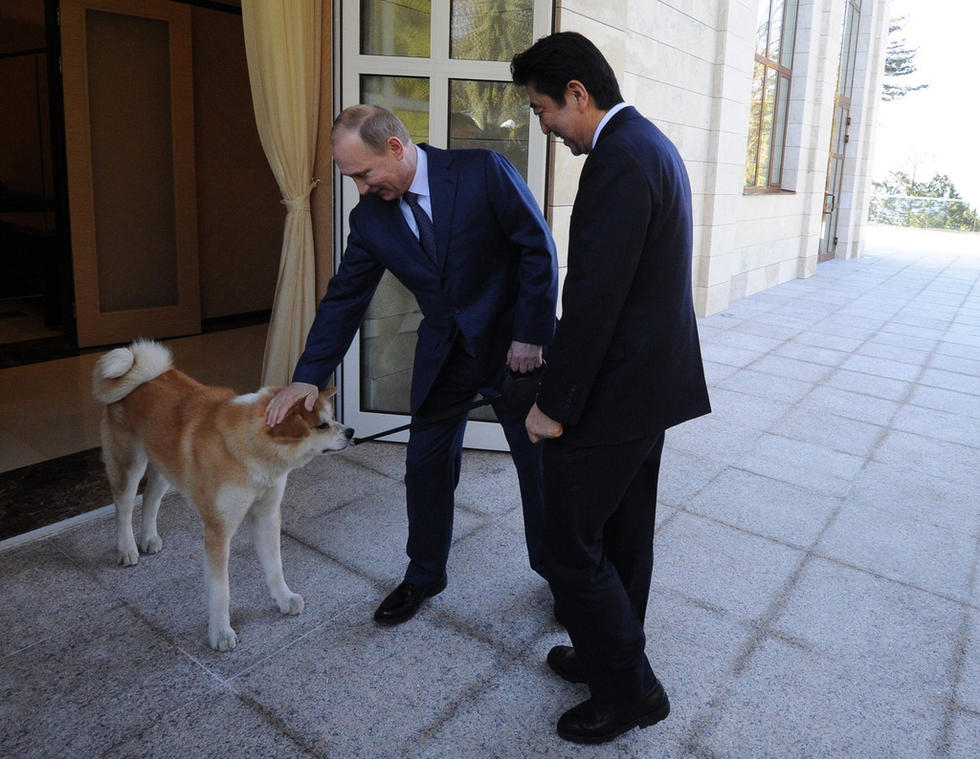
x,y
282,45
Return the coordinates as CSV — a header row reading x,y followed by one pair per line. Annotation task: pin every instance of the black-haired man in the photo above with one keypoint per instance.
x,y
625,365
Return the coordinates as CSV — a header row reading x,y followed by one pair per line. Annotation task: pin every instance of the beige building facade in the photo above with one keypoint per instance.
x,y
770,102
688,66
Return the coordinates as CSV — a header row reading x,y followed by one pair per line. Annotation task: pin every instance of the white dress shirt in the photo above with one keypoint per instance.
x,y
605,120
420,186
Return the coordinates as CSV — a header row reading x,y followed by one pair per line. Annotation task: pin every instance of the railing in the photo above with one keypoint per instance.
x,y
918,211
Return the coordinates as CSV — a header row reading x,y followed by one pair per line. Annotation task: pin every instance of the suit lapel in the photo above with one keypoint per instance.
x,y
442,186
395,221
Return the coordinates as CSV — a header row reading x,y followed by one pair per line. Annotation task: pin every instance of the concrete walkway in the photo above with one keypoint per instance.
x,y
815,589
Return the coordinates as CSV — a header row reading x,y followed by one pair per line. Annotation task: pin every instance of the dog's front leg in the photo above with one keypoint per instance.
x,y
265,522
217,543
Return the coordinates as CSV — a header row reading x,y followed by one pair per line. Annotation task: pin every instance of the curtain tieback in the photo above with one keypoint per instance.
x,y
301,202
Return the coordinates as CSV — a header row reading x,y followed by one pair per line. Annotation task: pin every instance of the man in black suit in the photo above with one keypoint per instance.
x,y
625,365
461,230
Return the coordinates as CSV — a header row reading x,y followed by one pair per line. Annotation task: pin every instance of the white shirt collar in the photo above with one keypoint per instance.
x,y
420,182
605,120
420,186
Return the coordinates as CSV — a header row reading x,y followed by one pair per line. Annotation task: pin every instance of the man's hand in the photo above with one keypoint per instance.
x,y
524,357
279,406
541,426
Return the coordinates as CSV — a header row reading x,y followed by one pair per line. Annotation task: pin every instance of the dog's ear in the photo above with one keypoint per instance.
x,y
291,429
328,392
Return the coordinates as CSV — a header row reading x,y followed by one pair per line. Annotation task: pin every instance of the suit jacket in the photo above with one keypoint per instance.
x,y
496,279
626,361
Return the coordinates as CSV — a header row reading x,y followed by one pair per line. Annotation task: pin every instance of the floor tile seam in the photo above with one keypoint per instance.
x,y
812,489
742,530
957,663
163,633
451,622
933,438
964,603
667,519
883,429
694,742
344,505
694,494
115,605
492,515
919,405
295,736
469,697
379,584
909,389
740,467
113,751
748,626
356,498
285,644
870,293
780,597
375,470
753,366
816,406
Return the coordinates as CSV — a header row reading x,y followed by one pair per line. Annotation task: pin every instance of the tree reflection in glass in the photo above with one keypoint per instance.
x,y
491,115
396,27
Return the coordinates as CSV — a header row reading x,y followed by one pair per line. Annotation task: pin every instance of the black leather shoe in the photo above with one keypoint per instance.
x,y
402,603
592,722
564,662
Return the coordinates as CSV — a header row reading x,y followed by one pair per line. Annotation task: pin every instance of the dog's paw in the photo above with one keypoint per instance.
x,y
128,557
292,604
223,640
151,544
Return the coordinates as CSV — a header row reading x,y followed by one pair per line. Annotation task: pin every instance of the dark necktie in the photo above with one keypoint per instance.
x,y
427,232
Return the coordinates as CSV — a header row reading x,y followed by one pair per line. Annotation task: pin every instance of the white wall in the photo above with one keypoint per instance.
x,y
687,65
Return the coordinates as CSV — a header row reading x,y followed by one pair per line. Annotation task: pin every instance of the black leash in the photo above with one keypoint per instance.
x,y
425,422
517,394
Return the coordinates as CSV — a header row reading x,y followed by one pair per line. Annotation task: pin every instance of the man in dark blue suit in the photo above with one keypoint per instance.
x,y
625,365
461,230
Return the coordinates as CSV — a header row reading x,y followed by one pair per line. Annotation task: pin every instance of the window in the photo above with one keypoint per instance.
x,y
443,67
775,40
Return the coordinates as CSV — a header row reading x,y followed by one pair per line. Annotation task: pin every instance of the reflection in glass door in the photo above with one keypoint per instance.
x,y
442,66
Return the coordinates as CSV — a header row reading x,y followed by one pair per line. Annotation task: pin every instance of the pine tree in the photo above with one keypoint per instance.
x,y
899,62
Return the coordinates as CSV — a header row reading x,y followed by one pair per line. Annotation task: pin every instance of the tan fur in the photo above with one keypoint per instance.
x,y
216,449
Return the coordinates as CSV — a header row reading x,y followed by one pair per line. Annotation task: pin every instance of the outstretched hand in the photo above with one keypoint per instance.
x,y
286,398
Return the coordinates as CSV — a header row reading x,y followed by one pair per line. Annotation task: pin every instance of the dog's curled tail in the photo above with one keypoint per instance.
x,y
122,370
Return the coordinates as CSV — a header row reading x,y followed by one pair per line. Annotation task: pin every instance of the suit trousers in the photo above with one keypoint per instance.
x,y
432,468
600,511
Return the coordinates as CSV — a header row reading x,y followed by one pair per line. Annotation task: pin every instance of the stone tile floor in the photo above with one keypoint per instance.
x,y
815,589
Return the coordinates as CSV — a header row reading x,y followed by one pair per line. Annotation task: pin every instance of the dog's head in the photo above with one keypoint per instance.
x,y
315,431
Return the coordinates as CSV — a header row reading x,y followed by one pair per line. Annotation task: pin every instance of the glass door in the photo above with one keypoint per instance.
x,y
840,132
443,67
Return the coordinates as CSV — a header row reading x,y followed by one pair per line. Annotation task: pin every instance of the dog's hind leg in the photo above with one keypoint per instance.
x,y
265,522
156,488
125,462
